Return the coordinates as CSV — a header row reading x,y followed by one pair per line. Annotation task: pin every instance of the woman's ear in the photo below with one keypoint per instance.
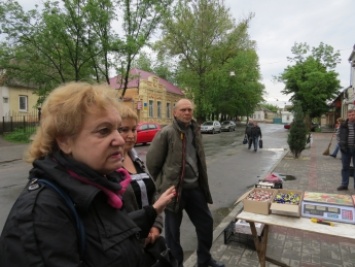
x,y
64,144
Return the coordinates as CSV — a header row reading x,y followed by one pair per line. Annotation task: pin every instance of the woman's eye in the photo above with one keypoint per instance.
x,y
122,130
104,131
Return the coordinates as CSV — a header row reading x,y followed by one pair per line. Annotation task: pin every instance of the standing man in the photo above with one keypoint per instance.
x,y
176,157
346,137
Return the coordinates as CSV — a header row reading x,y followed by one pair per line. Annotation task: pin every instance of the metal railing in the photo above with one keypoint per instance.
x,y
26,122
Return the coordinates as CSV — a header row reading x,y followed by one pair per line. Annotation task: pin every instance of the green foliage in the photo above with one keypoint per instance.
x,y
208,45
19,136
74,40
312,81
297,136
270,107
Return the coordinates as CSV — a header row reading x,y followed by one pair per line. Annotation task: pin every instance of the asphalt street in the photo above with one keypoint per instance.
x,y
232,169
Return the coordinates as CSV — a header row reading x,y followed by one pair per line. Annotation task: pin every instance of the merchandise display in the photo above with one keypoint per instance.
x,y
332,207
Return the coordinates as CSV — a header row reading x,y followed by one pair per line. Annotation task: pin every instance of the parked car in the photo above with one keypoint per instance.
x,y
228,126
287,126
146,132
314,126
211,127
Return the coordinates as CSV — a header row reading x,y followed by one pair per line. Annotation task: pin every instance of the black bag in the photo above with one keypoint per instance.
x,y
159,255
260,143
245,140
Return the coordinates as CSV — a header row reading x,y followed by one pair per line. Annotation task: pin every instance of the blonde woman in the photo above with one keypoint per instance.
x,y
78,148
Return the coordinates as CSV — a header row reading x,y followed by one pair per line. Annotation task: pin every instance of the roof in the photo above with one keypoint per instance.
x,y
138,75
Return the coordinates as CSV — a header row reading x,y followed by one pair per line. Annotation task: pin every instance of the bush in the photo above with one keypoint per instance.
x,y
298,133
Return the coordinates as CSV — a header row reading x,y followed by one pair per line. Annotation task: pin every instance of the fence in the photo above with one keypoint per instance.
x,y
27,122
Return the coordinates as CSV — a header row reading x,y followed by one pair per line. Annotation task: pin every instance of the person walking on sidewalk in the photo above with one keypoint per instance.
x,y
337,148
254,135
346,138
176,157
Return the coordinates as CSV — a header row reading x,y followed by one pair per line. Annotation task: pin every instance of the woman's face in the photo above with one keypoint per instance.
x,y
128,131
98,144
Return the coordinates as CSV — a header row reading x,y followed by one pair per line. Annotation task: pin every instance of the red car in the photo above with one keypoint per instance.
x,y
146,132
287,126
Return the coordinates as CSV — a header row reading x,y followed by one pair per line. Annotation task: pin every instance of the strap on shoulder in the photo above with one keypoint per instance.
x,y
70,204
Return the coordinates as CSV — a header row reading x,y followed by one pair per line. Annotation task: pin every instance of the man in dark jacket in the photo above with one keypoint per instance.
x,y
176,157
254,133
346,137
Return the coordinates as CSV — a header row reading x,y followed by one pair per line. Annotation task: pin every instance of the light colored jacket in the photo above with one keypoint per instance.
x,y
166,161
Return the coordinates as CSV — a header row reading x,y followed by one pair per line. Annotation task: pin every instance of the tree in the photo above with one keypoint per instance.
x,y
203,38
270,107
297,136
312,81
74,40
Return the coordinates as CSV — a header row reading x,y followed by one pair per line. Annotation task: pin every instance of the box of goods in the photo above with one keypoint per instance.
x,y
230,235
272,180
287,202
258,200
331,207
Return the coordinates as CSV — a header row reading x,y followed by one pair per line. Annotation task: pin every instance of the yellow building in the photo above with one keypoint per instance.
x,y
152,97
18,101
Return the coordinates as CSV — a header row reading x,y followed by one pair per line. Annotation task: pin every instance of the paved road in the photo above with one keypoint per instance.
x,y
232,168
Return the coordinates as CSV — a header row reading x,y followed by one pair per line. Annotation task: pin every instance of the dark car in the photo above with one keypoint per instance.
x,y
228,126
146,132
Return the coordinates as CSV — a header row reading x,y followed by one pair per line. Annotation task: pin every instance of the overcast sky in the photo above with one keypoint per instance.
x,y
279,24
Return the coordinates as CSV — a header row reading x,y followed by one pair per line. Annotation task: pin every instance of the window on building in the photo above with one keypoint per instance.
x,y
5,100
168,113
159,109
23,102
151,102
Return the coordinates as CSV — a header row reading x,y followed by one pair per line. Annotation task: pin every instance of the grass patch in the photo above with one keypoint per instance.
x,y
18,136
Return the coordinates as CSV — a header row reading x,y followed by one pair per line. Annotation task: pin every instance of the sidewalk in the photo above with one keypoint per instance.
x,y
312,172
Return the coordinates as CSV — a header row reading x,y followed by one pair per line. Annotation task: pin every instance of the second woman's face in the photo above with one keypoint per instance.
x,y
128,131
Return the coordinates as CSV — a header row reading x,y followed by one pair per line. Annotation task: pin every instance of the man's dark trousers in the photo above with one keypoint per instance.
x,y
346,160
195,205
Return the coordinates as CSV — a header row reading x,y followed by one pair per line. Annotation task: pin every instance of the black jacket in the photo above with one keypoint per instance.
x,y
40,230
342,136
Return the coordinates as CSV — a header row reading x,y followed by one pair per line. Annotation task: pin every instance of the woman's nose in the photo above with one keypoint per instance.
x,y
118,139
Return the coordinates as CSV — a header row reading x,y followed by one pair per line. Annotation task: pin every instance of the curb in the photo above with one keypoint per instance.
x,y
192,260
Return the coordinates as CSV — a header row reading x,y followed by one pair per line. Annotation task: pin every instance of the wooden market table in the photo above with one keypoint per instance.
x,y
304,224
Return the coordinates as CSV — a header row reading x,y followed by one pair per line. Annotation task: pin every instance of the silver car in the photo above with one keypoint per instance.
x,y
211,127
228,126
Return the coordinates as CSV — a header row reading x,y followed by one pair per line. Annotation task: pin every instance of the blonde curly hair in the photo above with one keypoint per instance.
x,y
63,113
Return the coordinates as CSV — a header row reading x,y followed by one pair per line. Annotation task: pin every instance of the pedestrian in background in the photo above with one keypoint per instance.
x,y
254,135
78,148
346,138
336,134
250,125
141,192
176,157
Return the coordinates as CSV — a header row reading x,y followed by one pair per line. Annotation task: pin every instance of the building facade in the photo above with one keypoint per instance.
x,y
17,101
153,98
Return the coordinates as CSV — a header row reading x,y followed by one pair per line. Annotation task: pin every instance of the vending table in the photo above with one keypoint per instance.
x,y
304,224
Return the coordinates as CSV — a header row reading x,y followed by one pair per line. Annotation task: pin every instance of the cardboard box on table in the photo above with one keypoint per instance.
x,y
261,207
331,207
286,208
